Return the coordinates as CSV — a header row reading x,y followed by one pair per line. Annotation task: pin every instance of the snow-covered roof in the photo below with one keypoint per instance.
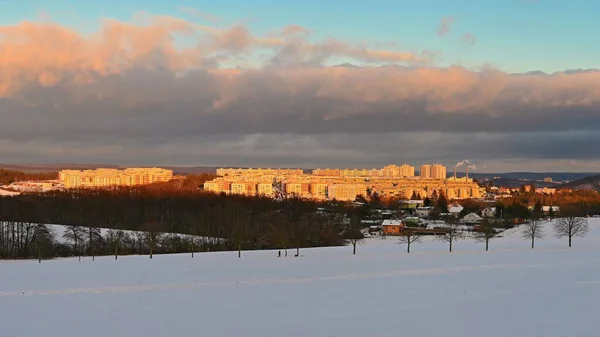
x,y
472,217
411,201
391,222
455,209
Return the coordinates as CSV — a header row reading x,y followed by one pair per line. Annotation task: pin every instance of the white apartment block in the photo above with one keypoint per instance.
x,y
346,192
105,177
238,188
319,190
265,189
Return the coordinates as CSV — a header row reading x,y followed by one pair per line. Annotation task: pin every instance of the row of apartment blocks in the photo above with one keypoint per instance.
x,y
345,189
313,190
433,171
344,184
257,172
105,177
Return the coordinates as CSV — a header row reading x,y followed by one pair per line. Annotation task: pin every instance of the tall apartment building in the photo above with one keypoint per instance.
x,y
438,171
407,170
425,171
434,171
104,177
390,171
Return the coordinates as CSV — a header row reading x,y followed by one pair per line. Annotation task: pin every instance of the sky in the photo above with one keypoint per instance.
x,y
508,84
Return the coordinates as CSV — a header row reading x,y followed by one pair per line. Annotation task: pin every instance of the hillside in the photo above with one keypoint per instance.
x,y
516,183
64,166
533,176
511,290
588,184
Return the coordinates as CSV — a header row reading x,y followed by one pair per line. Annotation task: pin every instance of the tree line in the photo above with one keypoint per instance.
x,y
217,222
10,176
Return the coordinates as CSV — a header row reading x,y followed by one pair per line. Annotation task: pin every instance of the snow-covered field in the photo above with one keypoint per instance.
x,y
382,291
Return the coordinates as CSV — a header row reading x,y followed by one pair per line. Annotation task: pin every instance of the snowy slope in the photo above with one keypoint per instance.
x,y
382,291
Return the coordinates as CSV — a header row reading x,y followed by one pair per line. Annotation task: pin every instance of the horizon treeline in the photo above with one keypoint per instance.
x,y
10,176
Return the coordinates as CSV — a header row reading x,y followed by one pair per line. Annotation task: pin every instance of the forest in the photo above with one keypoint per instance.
x,y
210,221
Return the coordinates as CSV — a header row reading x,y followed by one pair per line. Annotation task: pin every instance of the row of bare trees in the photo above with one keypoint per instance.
x,y
569,227
26,240
565,227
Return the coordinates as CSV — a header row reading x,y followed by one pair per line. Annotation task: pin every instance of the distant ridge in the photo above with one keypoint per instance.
x,y
524,177
73,166
586,184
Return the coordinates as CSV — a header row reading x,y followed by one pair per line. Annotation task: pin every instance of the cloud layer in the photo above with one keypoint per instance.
x,y
166,91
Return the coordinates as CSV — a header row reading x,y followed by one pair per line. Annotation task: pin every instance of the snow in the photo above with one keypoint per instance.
x,y
4,192
382,291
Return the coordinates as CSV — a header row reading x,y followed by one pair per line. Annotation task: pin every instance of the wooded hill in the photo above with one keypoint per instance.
x,y
586,184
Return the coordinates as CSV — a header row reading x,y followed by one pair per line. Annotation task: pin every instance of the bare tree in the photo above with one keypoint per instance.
x,y
571,226
42,235
115,239
409,237
533,230
486,233
152,240
452,232
279,231
193,242
94,237
76,235
353,234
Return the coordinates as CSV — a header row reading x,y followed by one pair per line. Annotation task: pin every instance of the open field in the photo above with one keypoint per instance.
x,y
382,291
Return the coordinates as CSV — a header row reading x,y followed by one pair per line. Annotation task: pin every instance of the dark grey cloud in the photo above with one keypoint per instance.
x,y
174,107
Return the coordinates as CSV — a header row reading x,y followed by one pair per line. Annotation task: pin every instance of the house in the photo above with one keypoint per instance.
x,y
545,190
424,211
392,227
471,219
489,212
455,209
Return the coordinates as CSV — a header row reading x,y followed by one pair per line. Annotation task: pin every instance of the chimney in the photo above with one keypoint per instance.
x,y
467,174
454,172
